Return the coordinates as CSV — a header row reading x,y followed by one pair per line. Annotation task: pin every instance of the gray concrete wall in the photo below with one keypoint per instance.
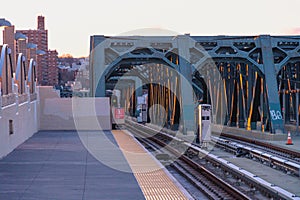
x,y
49,112
253,134
73,113
24,125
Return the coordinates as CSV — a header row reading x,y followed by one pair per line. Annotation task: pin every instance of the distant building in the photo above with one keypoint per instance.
x,y
52,75
82,75
45,67
9,38
75,71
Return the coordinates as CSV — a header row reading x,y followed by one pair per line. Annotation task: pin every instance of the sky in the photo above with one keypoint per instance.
x,y
71,23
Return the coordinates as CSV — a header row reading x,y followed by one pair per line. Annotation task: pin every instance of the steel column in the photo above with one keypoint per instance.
x,y
271,82
185,70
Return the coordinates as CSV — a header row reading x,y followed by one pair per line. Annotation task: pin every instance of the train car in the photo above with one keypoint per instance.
x,y
117,110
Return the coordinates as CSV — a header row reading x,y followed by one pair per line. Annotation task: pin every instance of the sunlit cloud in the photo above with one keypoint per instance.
x,y
294,31
153,31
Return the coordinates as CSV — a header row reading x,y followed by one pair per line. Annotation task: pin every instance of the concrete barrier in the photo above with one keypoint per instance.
x,y
17,125
73,113
253,134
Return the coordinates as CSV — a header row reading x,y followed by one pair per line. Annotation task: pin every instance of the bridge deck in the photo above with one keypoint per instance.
x,y
155,181
55,165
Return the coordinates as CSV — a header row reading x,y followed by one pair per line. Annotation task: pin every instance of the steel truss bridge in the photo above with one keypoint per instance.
x,y
252,82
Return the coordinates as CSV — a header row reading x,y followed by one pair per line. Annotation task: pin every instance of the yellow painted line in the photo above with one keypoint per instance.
x,y
153,180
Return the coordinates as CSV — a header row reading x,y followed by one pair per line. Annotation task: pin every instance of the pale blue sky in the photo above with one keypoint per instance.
x,y
70,23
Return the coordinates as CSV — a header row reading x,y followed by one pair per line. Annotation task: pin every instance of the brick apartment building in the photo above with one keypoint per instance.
x,y
52,67
47,71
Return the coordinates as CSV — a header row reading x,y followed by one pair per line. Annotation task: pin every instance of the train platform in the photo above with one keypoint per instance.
x,y
154,179
57,165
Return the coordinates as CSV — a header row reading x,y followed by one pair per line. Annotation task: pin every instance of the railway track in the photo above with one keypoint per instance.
x,y
280,150
281,160
248,185
203,179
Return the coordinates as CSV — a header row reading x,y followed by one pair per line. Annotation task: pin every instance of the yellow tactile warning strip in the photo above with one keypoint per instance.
x,y
153,180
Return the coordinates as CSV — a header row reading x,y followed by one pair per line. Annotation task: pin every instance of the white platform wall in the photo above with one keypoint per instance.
x,y
25,124
73,113
51,113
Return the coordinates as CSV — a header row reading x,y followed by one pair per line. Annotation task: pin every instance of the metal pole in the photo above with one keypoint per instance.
x,y
283,105
283,76
262,105
297,109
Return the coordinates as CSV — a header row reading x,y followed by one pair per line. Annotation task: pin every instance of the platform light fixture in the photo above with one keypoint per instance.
x,y
3,23
31,46
40,52
20,36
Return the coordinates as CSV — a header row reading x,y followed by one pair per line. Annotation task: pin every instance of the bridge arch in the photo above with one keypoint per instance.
x,y
32,77
21,75
6,70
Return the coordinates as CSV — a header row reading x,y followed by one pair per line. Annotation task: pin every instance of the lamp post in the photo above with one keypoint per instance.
x,y
31,51
40,53
20,36
21,42
6,63
3,23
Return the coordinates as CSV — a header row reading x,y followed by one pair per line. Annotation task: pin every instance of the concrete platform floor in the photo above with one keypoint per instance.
x,y
56,165
155,181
